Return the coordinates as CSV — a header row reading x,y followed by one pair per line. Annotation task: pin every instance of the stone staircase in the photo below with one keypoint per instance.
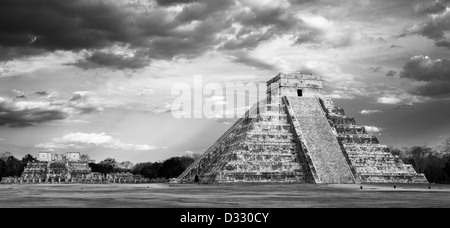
x,y
371,161
258,149
324,154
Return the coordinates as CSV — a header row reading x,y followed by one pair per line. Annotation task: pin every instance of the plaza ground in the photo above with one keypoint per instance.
x,y
225,196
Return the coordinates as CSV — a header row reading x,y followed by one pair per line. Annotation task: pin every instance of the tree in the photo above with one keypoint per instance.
x,y
417,156
14,167
137,169
5,155
434,169
173,167
28,158
125,166
444,148
447,168
109,161
147,169
395,151
108,165
85,158
3,169
95,167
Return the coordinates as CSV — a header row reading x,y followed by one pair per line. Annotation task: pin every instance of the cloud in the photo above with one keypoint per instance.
x,y
320,32
100,59
389,100
15,52
166,108
224,121
391,73
430,7
423,68
41,93
80,140
372,129
404,106
436,27
369,112
246,59
26,112
93,25
443,43
174,2
434,75
162,31
376,69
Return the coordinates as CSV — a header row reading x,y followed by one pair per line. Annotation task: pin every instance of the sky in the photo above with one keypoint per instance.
x,y
96,76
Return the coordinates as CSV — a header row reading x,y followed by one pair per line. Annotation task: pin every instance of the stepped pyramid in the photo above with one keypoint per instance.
x,y
298,135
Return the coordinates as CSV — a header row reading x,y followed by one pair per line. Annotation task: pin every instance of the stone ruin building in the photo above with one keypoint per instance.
x,y
67,169
298,135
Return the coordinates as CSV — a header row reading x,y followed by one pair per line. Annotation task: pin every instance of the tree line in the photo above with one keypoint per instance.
x,y
167,169
433,162
10,166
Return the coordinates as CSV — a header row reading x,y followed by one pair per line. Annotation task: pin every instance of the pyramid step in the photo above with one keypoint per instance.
x,y
353,147
350,129
342,120
324,154
360,139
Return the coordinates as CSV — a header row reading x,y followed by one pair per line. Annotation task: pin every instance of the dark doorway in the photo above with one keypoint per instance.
x,y
196,179
300,93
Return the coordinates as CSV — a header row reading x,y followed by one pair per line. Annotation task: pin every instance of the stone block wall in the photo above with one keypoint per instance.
x,y
298,137
371,161
69,173
258,149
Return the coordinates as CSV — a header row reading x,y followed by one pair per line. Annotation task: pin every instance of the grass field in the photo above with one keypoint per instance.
x,y
242,195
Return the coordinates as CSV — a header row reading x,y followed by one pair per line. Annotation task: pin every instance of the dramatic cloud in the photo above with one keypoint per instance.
x,y
156,30
48,25
91,140
111,60
372,129
174,2
430,7
369,112
24,113
434,73
423,68
437,26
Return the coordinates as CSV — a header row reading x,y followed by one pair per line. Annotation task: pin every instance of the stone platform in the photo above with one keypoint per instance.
x,y
298,135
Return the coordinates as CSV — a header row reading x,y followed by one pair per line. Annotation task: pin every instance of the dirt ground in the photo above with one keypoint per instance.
x,y
224,196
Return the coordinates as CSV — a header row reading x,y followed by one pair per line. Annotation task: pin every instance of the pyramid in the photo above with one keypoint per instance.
x,y
298,135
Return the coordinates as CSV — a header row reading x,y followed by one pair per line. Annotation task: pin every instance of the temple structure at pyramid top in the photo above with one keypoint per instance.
x,y
297,134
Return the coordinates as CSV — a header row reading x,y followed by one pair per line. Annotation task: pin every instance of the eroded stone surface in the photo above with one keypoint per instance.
x,y
371,161
70,170
298,135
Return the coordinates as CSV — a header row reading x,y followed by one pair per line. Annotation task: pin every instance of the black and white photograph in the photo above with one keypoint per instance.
x,y
226,104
